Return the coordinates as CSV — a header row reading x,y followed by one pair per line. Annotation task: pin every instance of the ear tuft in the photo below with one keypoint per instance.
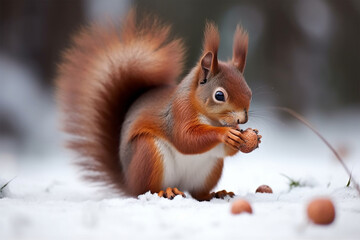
x,y
211,38
211,45
240,47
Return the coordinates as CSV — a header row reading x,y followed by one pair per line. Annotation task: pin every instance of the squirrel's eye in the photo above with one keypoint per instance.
x,y
220,96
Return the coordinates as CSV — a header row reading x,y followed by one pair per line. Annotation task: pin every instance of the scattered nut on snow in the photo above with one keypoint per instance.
x,y
251,139
241,206
264,189
321,211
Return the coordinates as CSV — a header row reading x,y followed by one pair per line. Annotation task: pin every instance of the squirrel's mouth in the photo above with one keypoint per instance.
x,y
226,124
233,119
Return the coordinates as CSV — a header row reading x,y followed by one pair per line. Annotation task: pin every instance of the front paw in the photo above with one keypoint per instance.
x,y
234,139
252,140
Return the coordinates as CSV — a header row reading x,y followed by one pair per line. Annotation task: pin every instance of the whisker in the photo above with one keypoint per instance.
x,y
268,122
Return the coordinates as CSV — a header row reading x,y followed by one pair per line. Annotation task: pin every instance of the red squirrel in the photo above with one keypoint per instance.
x,y
135,128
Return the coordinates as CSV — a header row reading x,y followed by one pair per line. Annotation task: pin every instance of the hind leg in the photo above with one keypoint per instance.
x,y
145,171
213,178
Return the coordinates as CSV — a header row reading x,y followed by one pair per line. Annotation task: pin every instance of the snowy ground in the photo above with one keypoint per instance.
x,y
48,201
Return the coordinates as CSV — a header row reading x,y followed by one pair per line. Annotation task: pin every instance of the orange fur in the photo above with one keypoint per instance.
x,y
100,76
190,136
211,38
117,88
214,176
229,151
212,180
211,43
145,171
240,47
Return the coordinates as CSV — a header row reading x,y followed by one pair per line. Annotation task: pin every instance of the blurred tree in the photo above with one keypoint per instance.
x,y
345,52
305,72
34,31
307,65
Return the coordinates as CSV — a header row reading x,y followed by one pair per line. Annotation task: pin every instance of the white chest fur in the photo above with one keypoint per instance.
x,y
187,171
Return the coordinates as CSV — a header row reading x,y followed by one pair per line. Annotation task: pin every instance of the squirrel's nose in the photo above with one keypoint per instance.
x,y
245,119
242,122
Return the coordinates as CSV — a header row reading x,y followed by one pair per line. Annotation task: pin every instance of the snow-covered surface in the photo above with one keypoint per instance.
x,y
47,199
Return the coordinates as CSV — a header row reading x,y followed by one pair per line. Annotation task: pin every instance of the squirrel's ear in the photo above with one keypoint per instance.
x,y
240,47
211,45
206,64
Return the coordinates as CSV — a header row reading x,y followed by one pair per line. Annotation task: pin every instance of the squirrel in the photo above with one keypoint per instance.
x,y
135,127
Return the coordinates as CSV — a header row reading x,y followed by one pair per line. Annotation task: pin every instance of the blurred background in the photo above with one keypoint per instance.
x,y
303,54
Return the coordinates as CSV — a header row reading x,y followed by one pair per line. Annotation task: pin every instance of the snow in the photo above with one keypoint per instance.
x,y
47,199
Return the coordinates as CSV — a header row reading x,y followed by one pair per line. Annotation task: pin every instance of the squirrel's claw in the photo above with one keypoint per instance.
x,y
208,196
234,139
222,194
259,140
170,193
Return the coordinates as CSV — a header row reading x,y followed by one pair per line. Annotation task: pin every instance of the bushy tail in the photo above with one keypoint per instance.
x,y
100,76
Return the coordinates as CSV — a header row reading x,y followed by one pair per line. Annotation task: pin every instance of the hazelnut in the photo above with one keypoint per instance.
x,y
241,206
264,189
321,211
251,140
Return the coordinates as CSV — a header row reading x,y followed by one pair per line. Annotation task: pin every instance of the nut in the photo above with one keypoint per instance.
x,y
264,189
241,206
321,211
251,140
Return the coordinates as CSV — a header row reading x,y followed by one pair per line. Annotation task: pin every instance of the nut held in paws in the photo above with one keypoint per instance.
x,y
251,139
321,211
241,206
264,189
